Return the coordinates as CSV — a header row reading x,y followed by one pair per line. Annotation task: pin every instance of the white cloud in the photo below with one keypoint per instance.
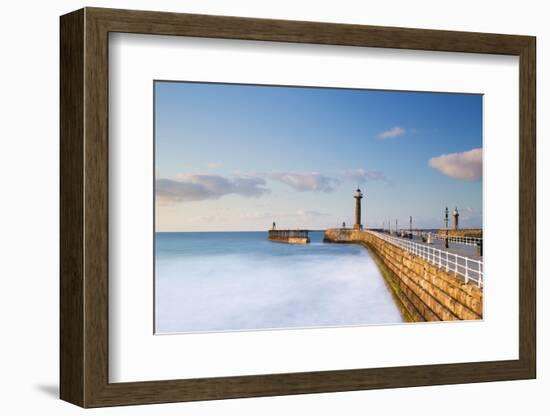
x,y
188,187
391,133
247,216
311,213
213,165
210,218
256,215
363,175
464,165
313,181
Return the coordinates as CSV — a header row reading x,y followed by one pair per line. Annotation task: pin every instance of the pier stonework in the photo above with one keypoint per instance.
x,y
462,232
289,236
426,293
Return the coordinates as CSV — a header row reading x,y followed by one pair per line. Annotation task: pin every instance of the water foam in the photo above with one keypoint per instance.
x,y
228,292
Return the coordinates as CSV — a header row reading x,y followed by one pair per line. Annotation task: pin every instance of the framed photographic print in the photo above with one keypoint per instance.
x,y
255,207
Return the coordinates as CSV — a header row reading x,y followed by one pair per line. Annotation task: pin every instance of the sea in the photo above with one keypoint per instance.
x,y
241,281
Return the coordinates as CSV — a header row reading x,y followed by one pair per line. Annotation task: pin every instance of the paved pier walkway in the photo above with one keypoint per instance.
x,y
453,263
456,248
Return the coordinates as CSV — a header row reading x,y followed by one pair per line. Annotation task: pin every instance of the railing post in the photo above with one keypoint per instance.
x,y
479,274
437,257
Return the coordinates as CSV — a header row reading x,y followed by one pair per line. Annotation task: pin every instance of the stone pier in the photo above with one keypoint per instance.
x,y
426,293
461,232
289,236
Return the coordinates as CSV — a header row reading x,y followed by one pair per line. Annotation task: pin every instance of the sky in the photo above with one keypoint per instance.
x,y
232,157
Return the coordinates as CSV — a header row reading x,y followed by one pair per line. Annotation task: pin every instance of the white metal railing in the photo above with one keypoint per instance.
x,y
469,241
467,268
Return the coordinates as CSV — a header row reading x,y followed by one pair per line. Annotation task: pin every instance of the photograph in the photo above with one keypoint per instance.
x,y
278,204
292,207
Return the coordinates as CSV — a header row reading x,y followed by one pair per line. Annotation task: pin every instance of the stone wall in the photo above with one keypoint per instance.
x,y
290,240
462,232
425,292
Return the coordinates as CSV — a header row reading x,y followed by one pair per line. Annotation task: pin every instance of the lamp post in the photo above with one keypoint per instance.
x,y
446,227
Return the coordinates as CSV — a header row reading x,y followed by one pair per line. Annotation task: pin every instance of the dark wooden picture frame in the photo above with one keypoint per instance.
x,y
84,207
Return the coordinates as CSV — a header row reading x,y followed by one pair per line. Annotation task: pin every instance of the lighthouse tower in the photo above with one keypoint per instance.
x,y
455,219
358,196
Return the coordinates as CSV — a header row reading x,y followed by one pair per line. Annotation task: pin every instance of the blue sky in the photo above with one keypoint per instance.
x,y
238,157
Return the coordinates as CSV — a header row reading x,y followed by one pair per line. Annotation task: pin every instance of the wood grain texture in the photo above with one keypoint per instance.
x,y
84,207
96,208
527,208
71,208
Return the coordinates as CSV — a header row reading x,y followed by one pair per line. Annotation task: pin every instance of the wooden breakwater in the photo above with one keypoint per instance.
x,y
426,292
289,236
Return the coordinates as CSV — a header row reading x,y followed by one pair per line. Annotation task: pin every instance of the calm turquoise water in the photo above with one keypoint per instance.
x,y
242,281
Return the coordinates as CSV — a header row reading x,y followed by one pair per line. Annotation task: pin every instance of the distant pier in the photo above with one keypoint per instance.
x,y
289,236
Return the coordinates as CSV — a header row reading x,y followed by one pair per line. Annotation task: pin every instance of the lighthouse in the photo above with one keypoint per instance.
x,y
455,219
358,196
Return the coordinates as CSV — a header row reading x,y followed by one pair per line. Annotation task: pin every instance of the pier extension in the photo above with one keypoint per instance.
x,y
289,236
426,291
